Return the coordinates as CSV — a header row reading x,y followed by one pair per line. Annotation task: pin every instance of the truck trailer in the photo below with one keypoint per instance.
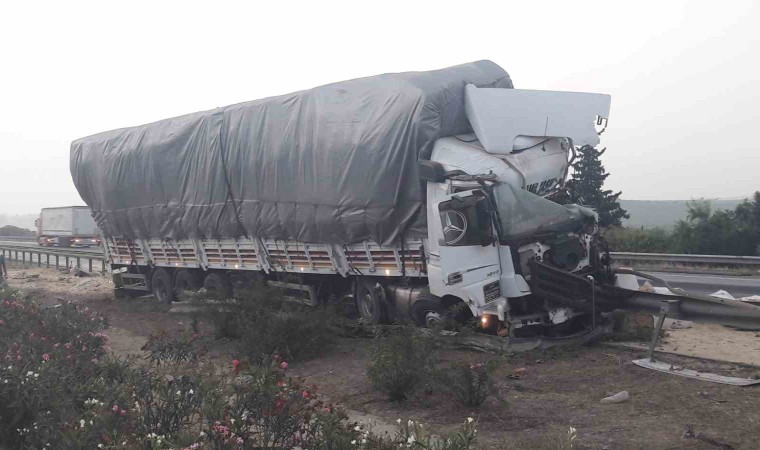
x,y
418,197
67,226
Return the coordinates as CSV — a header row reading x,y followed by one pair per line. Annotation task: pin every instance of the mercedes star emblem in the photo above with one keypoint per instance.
x,y
454,226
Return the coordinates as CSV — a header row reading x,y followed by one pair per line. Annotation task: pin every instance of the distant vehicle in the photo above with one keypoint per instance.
x,y
67,226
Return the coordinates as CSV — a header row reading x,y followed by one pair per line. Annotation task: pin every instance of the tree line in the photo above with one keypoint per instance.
x,y
704,231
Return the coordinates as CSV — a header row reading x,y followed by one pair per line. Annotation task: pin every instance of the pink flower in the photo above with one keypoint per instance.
x,y
239,441
281,383
123,412
2,322
236,365
115,408
46,357
68,346
284,365
305,394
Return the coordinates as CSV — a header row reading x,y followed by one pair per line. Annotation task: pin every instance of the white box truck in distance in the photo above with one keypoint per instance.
x,y
67,226
417,196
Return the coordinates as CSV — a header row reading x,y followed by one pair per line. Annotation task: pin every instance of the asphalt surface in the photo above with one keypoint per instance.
x,y
707,284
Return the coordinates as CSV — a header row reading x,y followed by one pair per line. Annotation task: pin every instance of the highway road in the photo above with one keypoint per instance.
x,y
707,284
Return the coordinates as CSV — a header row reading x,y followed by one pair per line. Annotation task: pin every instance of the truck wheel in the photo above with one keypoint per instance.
x,y
161,285
370,301
219,284
186,281
428,311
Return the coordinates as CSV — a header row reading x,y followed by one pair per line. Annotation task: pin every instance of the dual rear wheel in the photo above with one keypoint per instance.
x,y
426,311
168,289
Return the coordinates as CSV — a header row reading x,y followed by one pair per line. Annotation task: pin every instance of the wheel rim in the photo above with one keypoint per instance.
x,y
433,318
160,289
366,306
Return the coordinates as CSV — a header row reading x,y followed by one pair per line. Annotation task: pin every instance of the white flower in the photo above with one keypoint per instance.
x,y
357,428
91,422
364,441
410,440
470,420
191,392
203,434
36,375
232,421
29,374
124,443
353,442
100,445
398,420
179,392
81,423
410,423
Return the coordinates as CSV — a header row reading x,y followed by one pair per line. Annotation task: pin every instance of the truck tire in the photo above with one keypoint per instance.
x,y
186,281
428,311
219,284
161,286
370,301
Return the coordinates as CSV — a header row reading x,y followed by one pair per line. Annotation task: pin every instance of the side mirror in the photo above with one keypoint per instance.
x,y
432,171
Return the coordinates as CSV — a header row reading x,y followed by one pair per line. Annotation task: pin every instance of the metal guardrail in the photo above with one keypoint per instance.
x,y
54,256
724,260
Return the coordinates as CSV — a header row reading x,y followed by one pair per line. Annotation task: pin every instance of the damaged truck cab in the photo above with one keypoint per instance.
x,y
488,214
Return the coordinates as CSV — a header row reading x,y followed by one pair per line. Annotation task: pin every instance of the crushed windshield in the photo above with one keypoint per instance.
x,y
523,214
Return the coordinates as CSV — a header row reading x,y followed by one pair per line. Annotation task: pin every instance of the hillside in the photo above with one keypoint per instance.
x,y
19,220
664,213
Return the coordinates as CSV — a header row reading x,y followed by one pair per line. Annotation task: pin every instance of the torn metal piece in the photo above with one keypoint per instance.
x,y
693,374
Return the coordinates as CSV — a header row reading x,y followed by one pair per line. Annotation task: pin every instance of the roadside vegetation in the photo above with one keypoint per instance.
x,y
60,388
704,232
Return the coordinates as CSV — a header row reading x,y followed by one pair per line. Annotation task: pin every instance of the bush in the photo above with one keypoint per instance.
x,y
470,384
264,322
49,358
401,363
163,348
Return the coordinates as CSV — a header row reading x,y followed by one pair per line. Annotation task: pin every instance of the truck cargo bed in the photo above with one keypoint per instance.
x,y
271,255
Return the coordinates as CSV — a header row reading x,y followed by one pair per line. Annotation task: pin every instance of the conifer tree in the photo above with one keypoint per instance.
x,y
586,187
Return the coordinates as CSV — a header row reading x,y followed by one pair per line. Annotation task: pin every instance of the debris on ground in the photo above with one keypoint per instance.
x,y
620,397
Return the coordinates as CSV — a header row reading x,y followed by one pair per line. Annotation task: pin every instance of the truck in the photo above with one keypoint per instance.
x,y
67,226
422,197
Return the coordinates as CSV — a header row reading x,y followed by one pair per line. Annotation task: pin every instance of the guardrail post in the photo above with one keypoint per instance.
x,y
23,259
39,259
67,263
90,265
79,265
56,262
47,264
103,265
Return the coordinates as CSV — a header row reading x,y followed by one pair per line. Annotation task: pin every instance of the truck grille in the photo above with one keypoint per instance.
x,y
492,291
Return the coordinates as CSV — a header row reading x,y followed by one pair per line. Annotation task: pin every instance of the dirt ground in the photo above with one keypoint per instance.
x,y
559,389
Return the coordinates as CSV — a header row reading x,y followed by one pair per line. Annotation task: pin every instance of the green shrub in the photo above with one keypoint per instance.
x,y
470,384
401,363
263,322
163,348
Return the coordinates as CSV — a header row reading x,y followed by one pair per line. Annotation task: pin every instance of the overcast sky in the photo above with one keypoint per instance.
x,y
683,75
